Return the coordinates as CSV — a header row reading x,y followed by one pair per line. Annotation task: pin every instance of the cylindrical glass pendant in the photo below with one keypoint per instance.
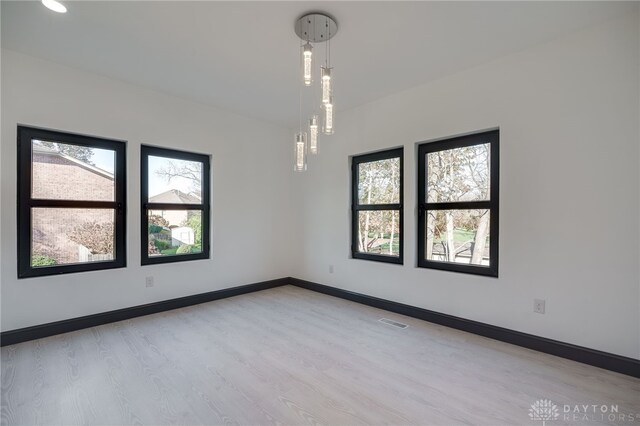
x,y
313,134
307,64
326,84
329,115
300,152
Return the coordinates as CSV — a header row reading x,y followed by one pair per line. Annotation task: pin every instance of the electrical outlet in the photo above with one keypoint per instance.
x,y
331,269
148,282
538,306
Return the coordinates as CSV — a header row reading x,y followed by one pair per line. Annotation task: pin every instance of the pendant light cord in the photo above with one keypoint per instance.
x,y
329,42
326,46
300,102
300,90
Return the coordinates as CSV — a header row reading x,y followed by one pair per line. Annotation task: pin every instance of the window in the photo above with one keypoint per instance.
x,y
71,203
458,204
376,206
175,205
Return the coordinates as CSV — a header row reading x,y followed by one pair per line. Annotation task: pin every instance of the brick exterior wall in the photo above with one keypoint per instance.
x,y
55,177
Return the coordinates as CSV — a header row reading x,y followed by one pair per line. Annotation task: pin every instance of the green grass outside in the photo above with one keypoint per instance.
x,y
172,251
384,248
460,236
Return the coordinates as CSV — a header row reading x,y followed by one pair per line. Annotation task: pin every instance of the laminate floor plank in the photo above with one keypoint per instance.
x,y
289,356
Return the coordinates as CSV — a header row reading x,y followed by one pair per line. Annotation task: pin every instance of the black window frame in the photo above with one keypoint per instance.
x,y
493,138
356,207
204,207
25,136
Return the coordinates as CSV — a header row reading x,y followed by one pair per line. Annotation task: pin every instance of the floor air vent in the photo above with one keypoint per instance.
x,y
393,323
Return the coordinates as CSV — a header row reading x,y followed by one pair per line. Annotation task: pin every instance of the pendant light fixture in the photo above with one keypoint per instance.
x,y
300,152
307,51
300,141
329,115
326,84
314,28
313,134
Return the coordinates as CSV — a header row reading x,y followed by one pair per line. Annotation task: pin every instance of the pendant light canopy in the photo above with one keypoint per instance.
x,y
314,28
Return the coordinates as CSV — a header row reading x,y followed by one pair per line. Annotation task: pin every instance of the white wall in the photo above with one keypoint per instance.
x,y
250,194
568,118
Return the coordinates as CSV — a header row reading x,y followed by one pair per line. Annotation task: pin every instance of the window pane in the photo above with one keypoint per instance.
x,y
461,174
458,236
62,236
379,232
379,182
72,172
175,232
174,181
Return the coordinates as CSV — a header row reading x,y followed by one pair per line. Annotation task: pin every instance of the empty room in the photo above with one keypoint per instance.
x,y
320,213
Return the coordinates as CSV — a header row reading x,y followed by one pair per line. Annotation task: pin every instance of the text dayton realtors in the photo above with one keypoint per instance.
x,y
595,412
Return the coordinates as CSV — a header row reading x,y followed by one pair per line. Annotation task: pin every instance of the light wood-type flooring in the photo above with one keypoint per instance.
x,y
296,357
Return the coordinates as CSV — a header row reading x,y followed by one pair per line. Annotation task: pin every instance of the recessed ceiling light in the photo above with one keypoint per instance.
x,y
54,5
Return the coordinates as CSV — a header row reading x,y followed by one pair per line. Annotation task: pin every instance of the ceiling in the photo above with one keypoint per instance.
x,y
243,56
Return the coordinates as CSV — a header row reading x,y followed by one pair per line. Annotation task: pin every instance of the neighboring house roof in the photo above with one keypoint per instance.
x,y
43,150
175,196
